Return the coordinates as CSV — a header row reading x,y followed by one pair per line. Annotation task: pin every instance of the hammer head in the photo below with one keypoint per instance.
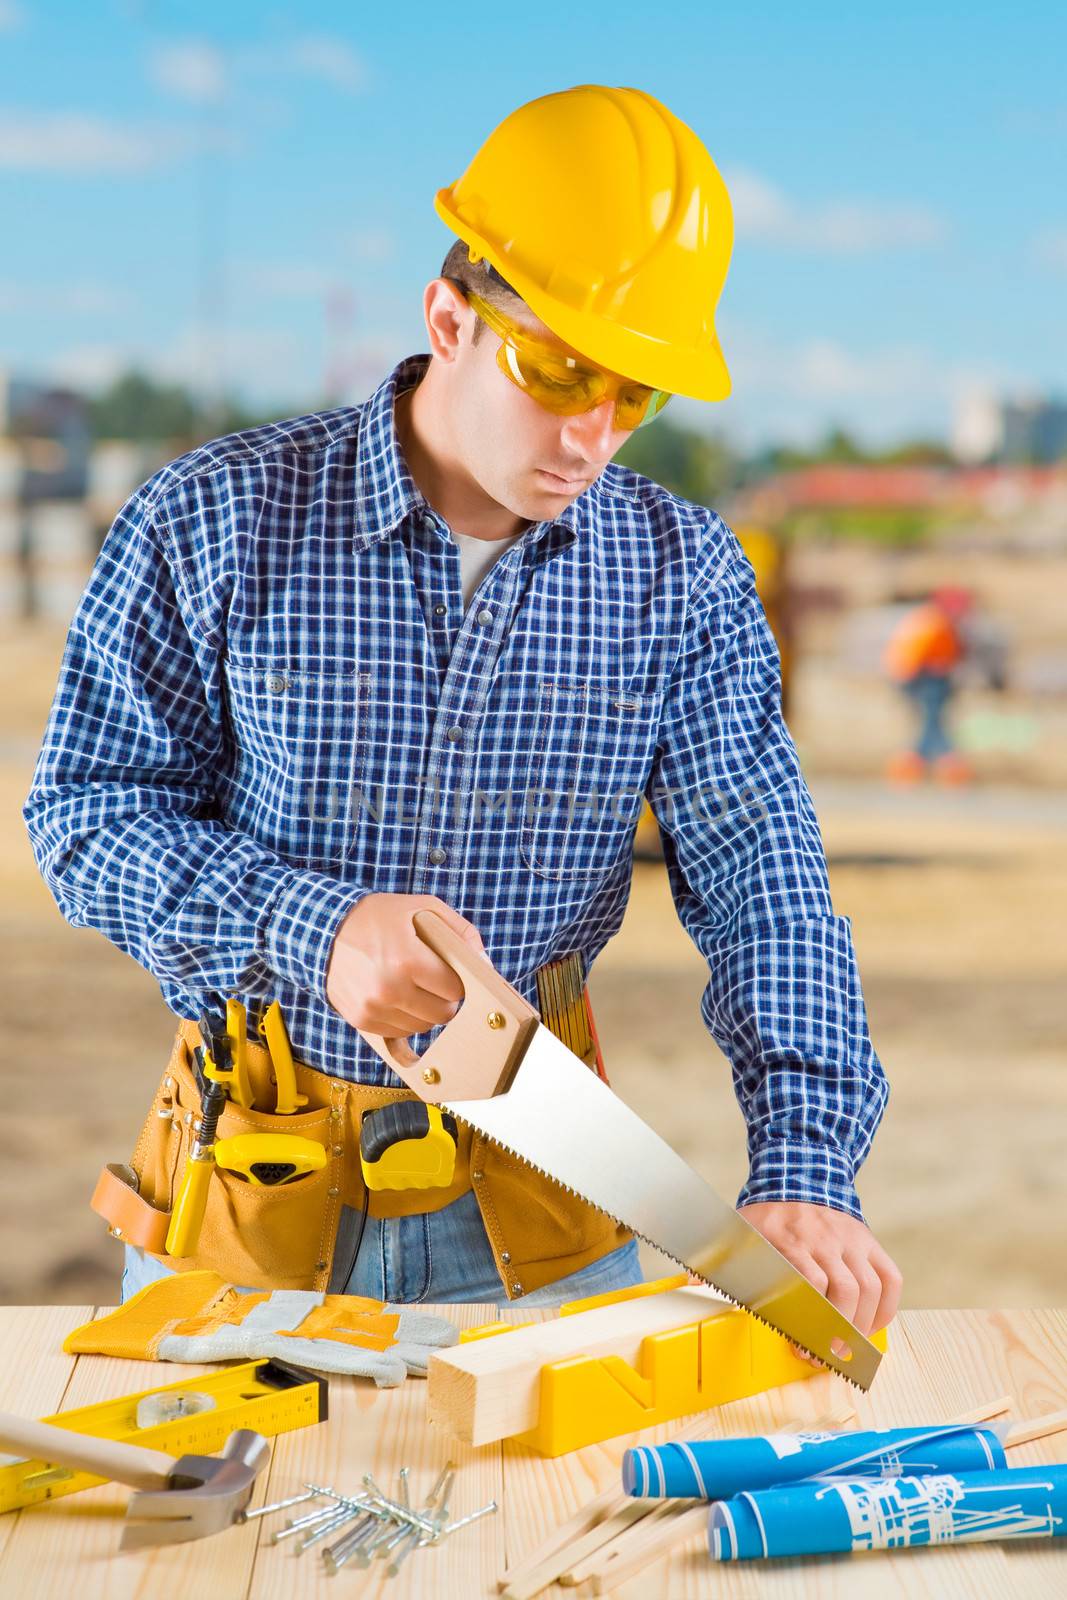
x,y
205,1495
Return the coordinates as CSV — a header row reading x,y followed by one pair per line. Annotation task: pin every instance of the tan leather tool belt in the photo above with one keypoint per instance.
x,y
284,1237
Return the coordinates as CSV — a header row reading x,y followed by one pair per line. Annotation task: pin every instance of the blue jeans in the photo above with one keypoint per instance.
x,y
931,692
436,1256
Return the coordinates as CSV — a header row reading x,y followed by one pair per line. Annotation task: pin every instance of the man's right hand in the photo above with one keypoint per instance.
x,y
382,978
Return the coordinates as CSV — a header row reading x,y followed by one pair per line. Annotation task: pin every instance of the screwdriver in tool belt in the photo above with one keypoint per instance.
x,y
188,1214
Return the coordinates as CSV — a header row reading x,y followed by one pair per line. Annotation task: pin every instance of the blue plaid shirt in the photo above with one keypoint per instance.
x,y
272,702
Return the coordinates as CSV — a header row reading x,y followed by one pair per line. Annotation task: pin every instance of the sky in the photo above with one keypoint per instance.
x,y
240,196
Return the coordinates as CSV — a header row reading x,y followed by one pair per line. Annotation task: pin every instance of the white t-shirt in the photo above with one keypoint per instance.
x,y
476,556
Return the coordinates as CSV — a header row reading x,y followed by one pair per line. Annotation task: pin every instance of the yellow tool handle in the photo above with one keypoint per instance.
x,y
263,1158
188,1214
237,1030
274,1031
106,1458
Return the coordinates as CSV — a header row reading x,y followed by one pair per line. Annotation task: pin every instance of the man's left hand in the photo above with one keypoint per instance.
x,y
837,1253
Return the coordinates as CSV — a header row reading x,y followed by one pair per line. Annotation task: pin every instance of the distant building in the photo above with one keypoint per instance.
x,y
1035,431
1029,430
49,427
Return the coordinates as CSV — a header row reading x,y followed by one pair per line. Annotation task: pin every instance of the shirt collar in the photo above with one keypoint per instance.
x,y
387,491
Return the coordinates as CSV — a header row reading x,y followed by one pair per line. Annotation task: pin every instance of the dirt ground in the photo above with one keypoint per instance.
x,y
956,902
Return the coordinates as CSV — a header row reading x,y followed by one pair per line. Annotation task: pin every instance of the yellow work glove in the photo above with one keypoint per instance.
x,y
199,1317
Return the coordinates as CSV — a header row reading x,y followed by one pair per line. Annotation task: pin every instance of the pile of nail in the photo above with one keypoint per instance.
x,y
375,1526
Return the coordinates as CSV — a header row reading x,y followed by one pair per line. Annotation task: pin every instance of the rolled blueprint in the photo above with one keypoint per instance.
x,y
715,1469
823,1516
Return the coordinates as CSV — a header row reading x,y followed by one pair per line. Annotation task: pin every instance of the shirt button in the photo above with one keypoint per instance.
x,y
484,617
455,734
437,855
276,683
439,611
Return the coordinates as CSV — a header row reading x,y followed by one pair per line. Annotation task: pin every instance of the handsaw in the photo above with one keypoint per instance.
x,y
496,1066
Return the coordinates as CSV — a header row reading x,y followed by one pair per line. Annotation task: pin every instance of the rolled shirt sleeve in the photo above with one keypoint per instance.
x,y
122,813
747,871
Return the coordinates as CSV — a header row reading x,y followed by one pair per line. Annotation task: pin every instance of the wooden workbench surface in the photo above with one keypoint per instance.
x,y
939,1363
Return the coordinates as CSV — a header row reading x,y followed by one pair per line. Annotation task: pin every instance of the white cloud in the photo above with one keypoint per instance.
x,y
793,391
763,212
372,244
193,70
1049,249
326,57
73,141
283,279
267,366
329,58
56,299
88,366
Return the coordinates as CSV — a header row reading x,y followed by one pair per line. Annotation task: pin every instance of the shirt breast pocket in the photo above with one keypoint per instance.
x,y
298,756
590,760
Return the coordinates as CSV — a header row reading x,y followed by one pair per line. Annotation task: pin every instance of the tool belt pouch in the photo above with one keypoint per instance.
x,y
261,1237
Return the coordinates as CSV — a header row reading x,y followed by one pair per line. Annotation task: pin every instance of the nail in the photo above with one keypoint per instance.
x,y
431,1498
327,1528
473,1516
413,1542
337,1554
292,1528
368,1550
402,1513
279,1505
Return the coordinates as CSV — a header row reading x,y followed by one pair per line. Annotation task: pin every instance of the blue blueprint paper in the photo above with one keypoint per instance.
x,y
715,1469
823,1516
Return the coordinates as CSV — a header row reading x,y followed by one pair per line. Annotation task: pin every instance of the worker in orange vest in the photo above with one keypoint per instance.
x,y
921,656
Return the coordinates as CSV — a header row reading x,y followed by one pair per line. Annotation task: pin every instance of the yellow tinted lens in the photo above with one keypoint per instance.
x,y
551,382
636,406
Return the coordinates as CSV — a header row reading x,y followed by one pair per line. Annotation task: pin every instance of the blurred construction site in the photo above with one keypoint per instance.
x,y
954,874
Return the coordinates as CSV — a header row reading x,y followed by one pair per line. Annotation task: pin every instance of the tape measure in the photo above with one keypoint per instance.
x,y
198,1415
407,1145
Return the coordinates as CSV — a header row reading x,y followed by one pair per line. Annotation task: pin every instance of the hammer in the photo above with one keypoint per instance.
x,y
181,1498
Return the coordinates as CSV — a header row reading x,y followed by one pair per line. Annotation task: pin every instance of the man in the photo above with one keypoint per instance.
x,y
293,631
922,656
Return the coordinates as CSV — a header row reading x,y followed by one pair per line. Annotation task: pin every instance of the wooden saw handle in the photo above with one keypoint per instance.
x,y
478,1052
84,1452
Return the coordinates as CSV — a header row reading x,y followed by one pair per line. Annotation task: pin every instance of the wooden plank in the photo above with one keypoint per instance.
x,y
34,1388
939,1364
490,1389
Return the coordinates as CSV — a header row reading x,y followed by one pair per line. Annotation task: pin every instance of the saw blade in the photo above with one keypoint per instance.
x,y
560,1118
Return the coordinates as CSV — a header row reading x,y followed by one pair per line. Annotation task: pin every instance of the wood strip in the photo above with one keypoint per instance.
x,y
983,1413
584,1519
668,1537
604,1532
1036,1428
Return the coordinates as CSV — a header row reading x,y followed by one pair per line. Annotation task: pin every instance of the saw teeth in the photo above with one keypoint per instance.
x,y
652,1244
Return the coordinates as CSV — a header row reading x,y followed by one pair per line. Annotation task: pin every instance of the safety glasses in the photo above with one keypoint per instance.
x,y
561,383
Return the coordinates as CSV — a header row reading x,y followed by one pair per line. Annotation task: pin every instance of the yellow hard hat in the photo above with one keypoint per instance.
x,y
607,215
